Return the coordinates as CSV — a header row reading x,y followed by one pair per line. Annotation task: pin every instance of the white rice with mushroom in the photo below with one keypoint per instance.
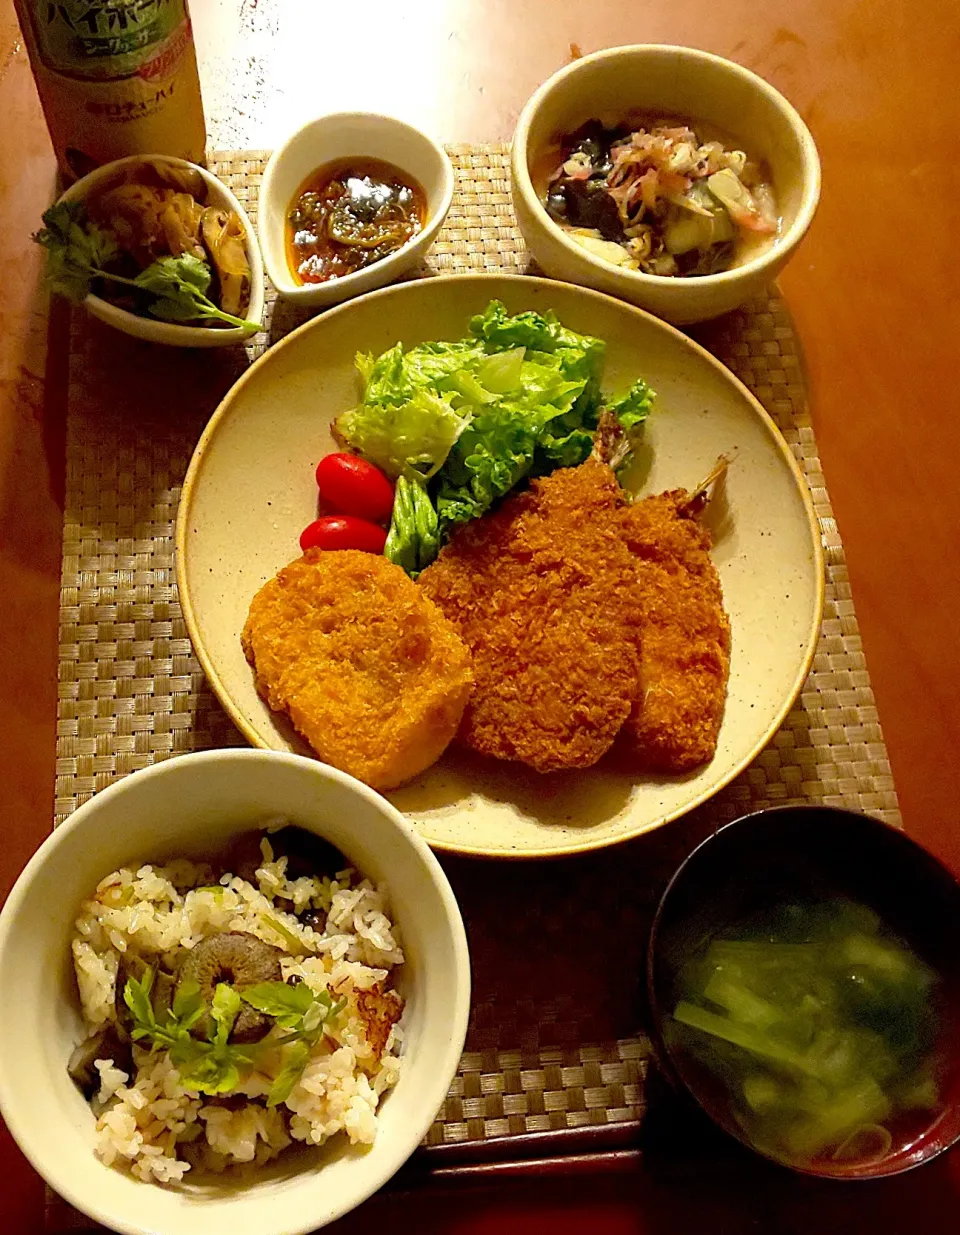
x,y
151,1122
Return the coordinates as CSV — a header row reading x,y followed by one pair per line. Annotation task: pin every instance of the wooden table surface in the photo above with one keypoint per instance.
x,y
873,295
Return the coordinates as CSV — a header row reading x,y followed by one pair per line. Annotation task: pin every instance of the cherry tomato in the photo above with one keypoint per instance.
x,y
343,532
352,485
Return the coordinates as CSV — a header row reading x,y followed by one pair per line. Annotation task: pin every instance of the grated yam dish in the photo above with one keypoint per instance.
x,y
149,1121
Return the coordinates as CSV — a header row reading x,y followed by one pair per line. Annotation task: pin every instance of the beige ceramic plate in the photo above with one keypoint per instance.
x,y
250,491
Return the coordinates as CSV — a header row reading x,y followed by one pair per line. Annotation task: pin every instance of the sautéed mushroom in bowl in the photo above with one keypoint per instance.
x,y
165,252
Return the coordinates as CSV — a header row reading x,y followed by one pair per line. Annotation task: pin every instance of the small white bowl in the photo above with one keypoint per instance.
x,y
339,136
150,328
193,805
695,86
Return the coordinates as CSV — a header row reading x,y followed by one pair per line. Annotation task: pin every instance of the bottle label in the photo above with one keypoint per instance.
x,y
108,40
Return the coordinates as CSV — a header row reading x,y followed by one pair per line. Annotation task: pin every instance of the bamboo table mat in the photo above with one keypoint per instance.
x,y
555,1061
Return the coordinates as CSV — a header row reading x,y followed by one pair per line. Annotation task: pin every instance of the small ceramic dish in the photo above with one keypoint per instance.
x,y
195,806
691,85
340,136
814,854
172,333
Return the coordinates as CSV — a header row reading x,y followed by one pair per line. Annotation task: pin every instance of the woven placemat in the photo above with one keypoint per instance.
x,y
554,1039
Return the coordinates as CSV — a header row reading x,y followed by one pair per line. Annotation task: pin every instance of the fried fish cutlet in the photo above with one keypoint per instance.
x,y
545,595
368,669
685,642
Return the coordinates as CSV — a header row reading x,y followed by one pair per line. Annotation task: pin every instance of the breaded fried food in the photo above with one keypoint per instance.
x,y
545,595
685,642
368,669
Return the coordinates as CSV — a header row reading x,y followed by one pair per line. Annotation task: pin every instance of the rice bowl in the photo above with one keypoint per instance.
x,y
191,808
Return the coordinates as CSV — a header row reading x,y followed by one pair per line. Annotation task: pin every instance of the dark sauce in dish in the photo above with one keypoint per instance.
x,y
349,214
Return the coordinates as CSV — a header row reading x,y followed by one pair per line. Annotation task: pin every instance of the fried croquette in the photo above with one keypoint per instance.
x,y
546,596
685,640
367,668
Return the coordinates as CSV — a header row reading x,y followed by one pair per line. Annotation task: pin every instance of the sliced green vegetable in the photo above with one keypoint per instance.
x,y
741,1003
413,539
762,1093
292,941
730,191
740,1035
825,1029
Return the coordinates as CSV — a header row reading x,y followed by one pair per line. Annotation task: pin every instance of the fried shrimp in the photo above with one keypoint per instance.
x,y
368,669
545,595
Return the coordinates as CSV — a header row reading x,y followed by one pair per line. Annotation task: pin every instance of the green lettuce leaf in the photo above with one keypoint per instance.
x,y
462,423
494,454
633,408
411,438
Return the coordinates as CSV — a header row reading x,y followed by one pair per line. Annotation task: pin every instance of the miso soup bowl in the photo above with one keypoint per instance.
x,y
194,806
764,860
681,82
152,329
341,136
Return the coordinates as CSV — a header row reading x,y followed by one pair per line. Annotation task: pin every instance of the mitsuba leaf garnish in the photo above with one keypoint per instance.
x,y
223,1012
305,1014
79,252
286,1004
75,249
209,1067
215,1066
188,1005
297,1057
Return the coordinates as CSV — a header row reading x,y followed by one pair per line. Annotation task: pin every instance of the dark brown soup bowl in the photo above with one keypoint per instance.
x,y
812,853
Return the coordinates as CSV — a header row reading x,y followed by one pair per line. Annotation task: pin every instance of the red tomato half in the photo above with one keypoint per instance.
x,y
354,486
343,532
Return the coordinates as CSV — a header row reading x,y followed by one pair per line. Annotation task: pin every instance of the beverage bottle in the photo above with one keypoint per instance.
x,y
116,77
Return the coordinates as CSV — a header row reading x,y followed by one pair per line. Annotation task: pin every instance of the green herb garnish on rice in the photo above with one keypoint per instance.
x,y
214,1065
305,1014
304,1065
